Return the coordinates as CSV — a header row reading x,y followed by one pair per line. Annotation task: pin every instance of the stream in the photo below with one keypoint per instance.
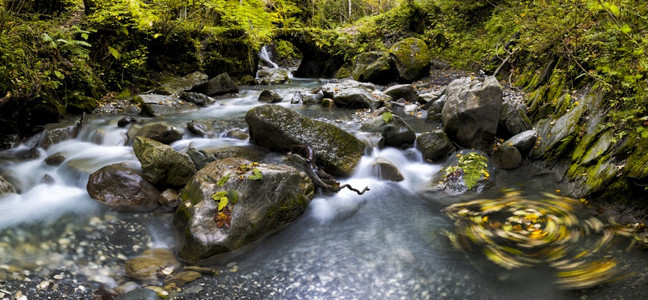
x,y
390,243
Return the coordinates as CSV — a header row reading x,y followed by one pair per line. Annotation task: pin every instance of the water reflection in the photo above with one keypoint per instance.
x,y
515,232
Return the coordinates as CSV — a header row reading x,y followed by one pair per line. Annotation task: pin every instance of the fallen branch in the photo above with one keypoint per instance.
x,y
305,155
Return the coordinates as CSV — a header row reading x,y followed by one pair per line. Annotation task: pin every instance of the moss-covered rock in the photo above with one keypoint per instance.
x,y
161,164
279,129
412,59
374,66
175,86
257,206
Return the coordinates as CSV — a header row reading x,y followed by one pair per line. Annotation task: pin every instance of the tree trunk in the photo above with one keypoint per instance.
x,y
89,6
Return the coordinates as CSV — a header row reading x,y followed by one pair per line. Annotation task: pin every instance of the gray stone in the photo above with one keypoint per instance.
x,y
198,128
430,97
251,152
280,129
55,159
268,96
200,158
237,134
601,147
155,105
220,84
297,98
139,294
353,94
553,133
513,119
405,91
523,141
175,86
257,206
471,112
157,131
385,169
123,122
435,145
161,164
273,76
122,189
397,132
169,198
5,186
374,66
507,157
197,98
315,98
411,58
58,132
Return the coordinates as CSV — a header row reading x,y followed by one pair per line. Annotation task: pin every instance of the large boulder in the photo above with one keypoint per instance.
x,y
395,131
197,98
405,91
175,86
157,131
353,94
434,145
374,66
471,111
254,207
507,157
155,105
122,189
280,129
220,84
161,164
513,119
272,76
269,96
412,59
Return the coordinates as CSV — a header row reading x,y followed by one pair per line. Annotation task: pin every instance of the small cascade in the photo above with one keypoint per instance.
x,y
266,57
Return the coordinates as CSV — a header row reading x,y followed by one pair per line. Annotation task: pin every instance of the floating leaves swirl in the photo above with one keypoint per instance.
x,y
515,232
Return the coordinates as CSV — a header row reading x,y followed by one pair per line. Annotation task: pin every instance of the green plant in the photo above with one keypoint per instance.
x,y
472,167
387,117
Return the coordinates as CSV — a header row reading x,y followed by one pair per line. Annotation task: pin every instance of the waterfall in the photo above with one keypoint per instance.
x,y
265,56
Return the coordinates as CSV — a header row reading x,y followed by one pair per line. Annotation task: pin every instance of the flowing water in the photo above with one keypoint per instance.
x,y
393,242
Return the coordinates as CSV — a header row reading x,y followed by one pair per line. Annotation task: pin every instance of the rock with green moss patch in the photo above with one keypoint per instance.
x,y
220,84
412,59
258,206
161,164
177,85
374,66
280,129
464,171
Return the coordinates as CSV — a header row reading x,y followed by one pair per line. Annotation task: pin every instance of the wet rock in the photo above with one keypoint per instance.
x,y
55,159
198,128
397,132
126,287
200,158
158,131
315,98
122,188
175,86
328,103
411,58
385,169
220,84
161,164
272,76
405,91
428,98
599,148
197,98
435,145
463,177
169,198
507,157
513,119
554,133
268,96
58,132
5,186
182,278
154,105
297,98
279,129
47,179
123,122
353,94
252,153
237,134
139,294
471,112
257,206
523,141
435,108
374,66
150,263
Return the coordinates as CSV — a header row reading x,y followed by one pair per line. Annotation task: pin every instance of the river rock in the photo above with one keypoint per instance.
x,y
297,98
161,164
251,152
272,76
123,122
523,141
327,103
220,84
155,105
157,131
435,108
411,58
182,278
55,159
456,184
169,198
507,157
429,97
139,294
471,112
58,132
385,169
405,91
435,145
197,98
397,132
176,86
122,188
237,134
315,98
198,128
513,119
354,94
279,129
147,265
374,66
5,186
257,206
200,158
268,96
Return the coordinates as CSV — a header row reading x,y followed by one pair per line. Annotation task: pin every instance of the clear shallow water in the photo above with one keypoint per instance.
x,y
386,244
